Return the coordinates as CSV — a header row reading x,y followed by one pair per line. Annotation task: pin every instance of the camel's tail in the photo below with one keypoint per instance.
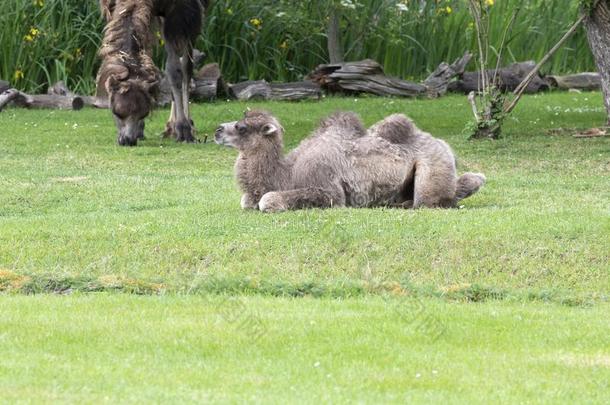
x,y
468,184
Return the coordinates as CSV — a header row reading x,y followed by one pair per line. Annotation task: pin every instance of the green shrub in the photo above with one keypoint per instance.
x,y
43,41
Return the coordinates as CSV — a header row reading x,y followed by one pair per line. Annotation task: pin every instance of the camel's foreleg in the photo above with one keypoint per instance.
x,y
310,197
179,124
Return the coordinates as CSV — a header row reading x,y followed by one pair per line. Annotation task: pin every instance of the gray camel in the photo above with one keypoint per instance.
x,y
342,164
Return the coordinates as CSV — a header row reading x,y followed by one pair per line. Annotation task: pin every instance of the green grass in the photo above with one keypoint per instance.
x,y
77,211
117,348
503,301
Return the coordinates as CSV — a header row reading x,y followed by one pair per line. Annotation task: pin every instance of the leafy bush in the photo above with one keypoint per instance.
x,y
43,41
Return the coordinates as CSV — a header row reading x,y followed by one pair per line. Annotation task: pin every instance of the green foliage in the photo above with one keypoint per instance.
x,y
284,39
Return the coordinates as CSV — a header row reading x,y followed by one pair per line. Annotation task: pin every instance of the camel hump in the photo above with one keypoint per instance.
x,y
345,123
397,128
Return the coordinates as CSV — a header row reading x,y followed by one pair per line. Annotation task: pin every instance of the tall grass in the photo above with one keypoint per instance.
x,y
42,41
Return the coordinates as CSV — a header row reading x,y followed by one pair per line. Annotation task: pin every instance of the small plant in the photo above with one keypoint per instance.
x,y
488,110
493,106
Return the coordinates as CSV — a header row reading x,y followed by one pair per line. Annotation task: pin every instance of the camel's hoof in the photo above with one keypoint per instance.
x,y
184,132
272,202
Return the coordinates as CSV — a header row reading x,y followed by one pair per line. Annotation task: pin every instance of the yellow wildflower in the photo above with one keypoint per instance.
x,y
256,22
284,45
31,35
161,40
489,2
448,10
18,75
39,3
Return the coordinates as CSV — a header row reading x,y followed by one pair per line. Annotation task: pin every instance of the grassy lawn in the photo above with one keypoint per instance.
x,y
505,299
77,211
121,348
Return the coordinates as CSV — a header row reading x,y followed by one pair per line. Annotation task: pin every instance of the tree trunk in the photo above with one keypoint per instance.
x,y
335,49
598,33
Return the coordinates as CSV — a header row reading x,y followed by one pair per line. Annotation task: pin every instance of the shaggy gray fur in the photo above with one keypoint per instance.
x,y
342,164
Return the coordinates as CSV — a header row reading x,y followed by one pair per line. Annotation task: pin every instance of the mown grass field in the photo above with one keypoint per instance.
x,y
505,298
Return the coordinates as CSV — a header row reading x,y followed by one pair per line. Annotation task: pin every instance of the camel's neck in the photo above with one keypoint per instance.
x,y
262,170
127,35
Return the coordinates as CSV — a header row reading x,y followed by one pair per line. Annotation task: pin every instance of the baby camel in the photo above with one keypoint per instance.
x,y
342,164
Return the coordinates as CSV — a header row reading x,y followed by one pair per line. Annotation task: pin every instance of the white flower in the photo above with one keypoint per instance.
x,y
402,7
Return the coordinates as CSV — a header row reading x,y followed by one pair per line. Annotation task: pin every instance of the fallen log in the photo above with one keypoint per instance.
x,y
60,89
507,79
438,82
49,101
4,86
364,76
295,91
7,96
367,76
251,89
208,83
580,81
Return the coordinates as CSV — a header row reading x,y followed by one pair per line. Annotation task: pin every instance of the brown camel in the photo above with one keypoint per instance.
x,y
128,75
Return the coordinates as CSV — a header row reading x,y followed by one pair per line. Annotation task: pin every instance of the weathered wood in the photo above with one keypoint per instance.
x,y
207,83
7,96
367,76
295,91
4,86
96,102
364,76
49,101
438,82
507,79
59,89
580,81
249,90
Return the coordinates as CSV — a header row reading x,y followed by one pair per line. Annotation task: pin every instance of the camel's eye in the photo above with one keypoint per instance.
x,y
241,128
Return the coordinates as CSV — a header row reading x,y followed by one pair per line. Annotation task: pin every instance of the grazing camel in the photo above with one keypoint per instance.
x,y
128,75
342,164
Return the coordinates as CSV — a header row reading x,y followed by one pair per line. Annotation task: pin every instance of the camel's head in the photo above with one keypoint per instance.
x,y
257,128
131,101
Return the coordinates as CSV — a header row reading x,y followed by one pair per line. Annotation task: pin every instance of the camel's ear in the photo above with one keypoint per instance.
x,y
270,129
151,87
112,84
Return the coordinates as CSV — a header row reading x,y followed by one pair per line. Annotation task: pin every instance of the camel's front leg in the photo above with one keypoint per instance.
x,y
179,124
310,197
